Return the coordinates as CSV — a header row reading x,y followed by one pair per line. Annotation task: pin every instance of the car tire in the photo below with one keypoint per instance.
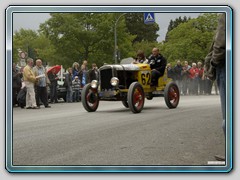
x,y
125,103
89,98
136,97
171,95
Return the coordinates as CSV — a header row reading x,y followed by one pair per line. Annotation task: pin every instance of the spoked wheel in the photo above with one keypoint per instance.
x,y
89,98
171,95
136,97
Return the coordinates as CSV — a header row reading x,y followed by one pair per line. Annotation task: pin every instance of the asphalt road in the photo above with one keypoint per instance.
x,y
66,134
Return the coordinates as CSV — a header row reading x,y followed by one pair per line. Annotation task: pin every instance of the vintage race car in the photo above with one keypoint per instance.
x,y
131,84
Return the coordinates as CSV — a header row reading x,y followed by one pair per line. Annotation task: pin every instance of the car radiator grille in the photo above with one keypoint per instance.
x,y
106,76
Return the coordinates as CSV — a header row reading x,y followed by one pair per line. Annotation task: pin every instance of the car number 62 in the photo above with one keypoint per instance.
x,y
146,78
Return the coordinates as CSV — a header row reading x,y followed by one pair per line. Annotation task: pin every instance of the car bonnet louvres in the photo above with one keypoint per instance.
x,y
106,75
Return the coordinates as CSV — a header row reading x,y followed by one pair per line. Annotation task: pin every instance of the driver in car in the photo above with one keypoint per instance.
x,y
158,64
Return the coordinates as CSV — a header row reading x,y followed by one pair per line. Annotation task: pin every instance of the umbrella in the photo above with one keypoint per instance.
x,y
57,69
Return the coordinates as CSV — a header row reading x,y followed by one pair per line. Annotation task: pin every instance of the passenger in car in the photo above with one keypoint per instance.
x,y
141,58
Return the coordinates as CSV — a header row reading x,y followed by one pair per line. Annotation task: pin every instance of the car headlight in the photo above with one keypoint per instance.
x,y
114,81
94,84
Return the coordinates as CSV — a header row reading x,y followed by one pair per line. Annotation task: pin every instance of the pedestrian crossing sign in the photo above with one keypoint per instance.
x,y
149,18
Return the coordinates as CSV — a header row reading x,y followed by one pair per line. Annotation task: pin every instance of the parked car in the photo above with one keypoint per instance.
x,y
129,83
62,90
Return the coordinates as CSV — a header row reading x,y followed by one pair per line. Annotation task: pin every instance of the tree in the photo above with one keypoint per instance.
x,y
174,24
79,36
46,51
191,40
35,44
23,40
144,32
144,46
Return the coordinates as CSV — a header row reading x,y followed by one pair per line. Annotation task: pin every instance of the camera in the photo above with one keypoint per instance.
x,y
152,62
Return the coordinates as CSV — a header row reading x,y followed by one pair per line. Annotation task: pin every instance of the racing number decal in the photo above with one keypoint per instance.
x,y
146,78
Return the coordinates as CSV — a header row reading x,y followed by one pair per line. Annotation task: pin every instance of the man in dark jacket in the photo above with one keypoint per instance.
x,y
93,73
69,85
215,64
158,64
178,73
16,83
170,72
53,86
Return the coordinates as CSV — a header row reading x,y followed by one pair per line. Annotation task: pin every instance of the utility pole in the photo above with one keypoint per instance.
x,y
115,37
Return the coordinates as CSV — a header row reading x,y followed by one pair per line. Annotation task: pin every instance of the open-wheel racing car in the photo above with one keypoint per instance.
x,y
129,83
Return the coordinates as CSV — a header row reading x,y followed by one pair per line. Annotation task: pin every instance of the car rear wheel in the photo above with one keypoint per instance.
x,y
171,95
89,98
136,97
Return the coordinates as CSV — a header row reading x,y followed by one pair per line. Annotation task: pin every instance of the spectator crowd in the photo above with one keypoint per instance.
x,y
30,84
191,80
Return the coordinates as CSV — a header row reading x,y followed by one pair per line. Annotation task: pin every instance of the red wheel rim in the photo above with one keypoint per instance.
x,y
138,98
173,95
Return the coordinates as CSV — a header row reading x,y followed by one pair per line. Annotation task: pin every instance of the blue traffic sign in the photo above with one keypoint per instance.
x,y
149,18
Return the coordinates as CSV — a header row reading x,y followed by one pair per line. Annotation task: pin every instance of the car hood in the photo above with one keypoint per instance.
x,y
127,67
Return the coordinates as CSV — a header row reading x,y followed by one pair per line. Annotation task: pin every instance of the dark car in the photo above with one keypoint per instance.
x,y
62,90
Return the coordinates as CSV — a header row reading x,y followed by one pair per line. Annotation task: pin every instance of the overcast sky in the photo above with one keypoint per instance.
x,y
33,20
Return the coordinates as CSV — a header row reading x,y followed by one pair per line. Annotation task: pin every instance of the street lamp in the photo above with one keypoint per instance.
x,y
115,37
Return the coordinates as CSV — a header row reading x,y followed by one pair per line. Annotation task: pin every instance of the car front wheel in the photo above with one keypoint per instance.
x,y
136,97
89,98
